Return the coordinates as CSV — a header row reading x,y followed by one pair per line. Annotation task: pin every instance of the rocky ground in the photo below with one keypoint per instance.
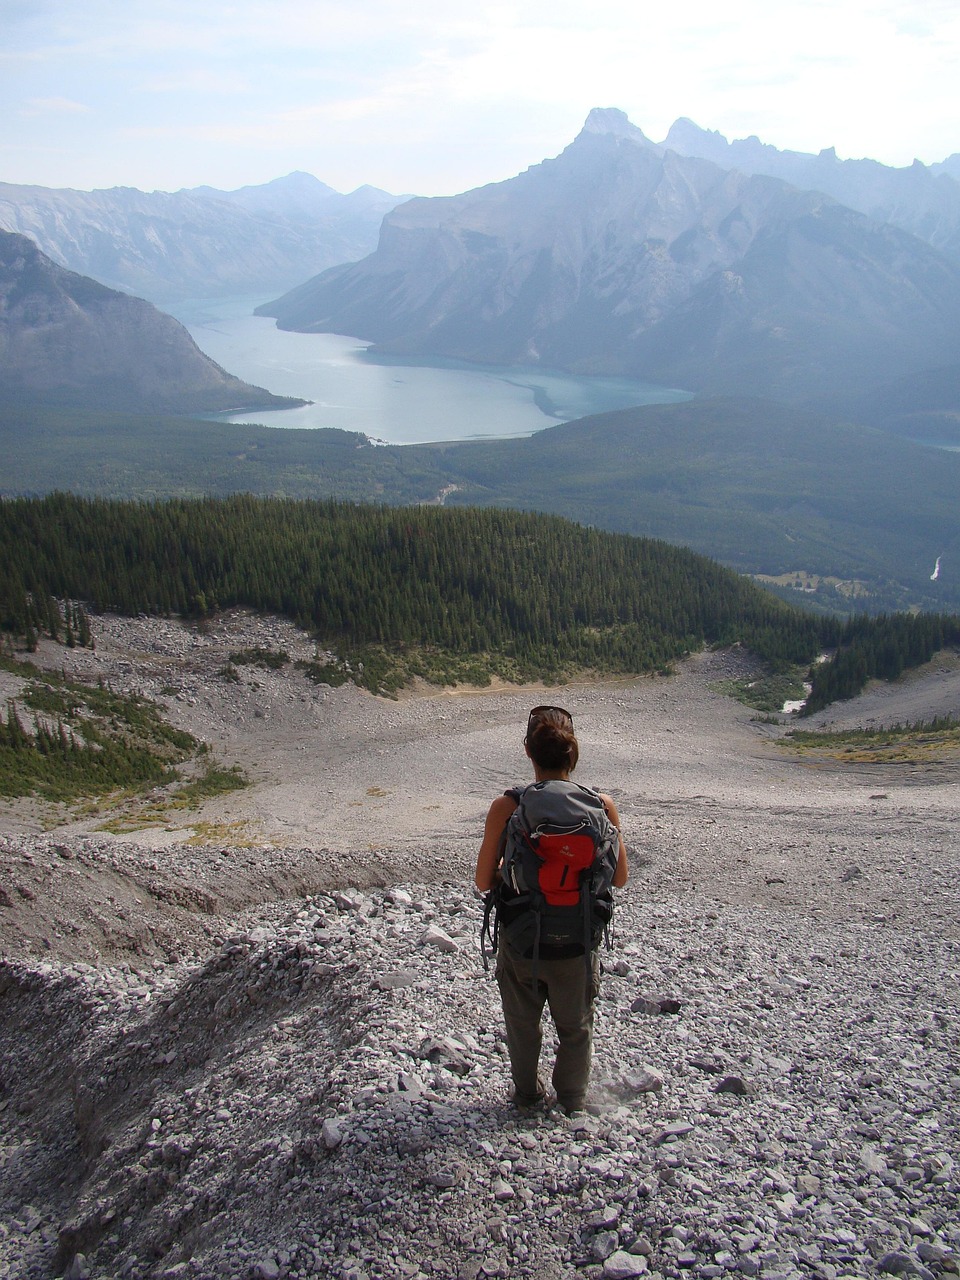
x,y
257,1040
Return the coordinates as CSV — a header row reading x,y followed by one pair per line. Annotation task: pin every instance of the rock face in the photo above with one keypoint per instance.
x,y
166,246
67,340
621,257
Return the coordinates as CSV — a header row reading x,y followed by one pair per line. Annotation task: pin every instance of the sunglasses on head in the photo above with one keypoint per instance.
x,y
538,713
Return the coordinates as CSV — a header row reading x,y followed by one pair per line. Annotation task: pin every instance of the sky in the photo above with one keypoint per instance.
x,y
433,97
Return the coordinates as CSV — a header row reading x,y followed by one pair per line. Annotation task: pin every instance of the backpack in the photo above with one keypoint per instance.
x,y
559,855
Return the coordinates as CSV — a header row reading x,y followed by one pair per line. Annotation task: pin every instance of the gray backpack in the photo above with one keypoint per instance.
x,y
559,855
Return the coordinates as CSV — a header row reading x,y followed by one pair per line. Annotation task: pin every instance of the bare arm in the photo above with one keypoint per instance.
x,y
488,859
622,873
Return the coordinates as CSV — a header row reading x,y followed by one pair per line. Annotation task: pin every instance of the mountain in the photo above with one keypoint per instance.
x,y
67,340
621,257
187,244
950,166
924,201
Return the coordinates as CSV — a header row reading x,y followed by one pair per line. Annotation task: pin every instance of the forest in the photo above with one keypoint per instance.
x,y
762,488
396,592
535,595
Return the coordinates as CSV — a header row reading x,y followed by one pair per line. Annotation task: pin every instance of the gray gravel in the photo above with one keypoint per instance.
x,y
326,1096
281,1057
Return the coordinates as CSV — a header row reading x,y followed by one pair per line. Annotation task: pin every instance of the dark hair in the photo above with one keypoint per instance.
x,y
551,740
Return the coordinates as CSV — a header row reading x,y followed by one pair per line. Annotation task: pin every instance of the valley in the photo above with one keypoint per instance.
x,y
309,492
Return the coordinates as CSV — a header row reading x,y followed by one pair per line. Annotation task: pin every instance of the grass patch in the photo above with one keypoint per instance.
x,y
268,659
137,814
235,834
333,673
922,741
386,670
80,744
215,781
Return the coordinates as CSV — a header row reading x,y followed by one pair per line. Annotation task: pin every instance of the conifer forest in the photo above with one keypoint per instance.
x,y
462,593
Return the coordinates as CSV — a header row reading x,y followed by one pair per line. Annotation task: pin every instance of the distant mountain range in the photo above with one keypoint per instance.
x,y
715,266
170,246
66,340
924,201
621,256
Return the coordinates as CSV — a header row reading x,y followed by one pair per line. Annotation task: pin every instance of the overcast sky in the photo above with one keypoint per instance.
x,y
437,96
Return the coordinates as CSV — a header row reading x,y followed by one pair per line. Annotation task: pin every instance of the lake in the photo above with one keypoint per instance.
x,y
394,401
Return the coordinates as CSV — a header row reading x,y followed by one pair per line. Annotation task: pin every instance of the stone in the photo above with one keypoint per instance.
x,y
331,1133
733,1084
936,1254
410,1084
603,1244
434,937
646,1080
448,1053
710,1065
348,900
395,980
266,1269
677,1129
622,1265
655,1005
896,1263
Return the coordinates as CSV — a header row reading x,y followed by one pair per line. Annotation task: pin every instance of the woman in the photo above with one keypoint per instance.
x,y
564,982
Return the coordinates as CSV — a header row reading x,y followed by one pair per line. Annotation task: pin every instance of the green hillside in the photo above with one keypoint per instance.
x,y
502,592
450,596
763,488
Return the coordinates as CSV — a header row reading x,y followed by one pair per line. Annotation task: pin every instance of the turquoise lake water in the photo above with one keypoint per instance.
x,y
397,402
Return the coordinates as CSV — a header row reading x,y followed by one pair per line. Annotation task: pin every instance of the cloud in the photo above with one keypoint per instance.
x,y
52,106
201,80
454,94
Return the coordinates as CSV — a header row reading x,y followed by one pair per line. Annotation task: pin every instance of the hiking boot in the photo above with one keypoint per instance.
x,y
527,1101
572,1106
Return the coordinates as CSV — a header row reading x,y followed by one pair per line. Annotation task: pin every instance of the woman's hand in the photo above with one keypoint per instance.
x,y
491,848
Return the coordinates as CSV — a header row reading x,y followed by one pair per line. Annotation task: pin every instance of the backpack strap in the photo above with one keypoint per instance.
x,y
490,928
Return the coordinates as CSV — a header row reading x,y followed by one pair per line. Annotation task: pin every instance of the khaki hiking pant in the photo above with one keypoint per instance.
x,y
563,985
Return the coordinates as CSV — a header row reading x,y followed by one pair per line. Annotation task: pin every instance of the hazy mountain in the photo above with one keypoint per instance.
x,y
67,340
168,246
924,201
620,256
949,166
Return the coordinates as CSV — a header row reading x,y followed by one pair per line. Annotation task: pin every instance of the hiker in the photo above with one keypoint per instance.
x,y
530,969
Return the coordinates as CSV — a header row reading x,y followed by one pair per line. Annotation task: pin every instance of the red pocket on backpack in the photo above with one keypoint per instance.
x,y
563,857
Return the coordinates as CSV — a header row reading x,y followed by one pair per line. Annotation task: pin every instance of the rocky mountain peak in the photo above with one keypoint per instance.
x,y
611,120
619,256
685,133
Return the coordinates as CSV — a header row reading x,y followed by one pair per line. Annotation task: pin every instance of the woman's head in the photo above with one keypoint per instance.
x,y
551,743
